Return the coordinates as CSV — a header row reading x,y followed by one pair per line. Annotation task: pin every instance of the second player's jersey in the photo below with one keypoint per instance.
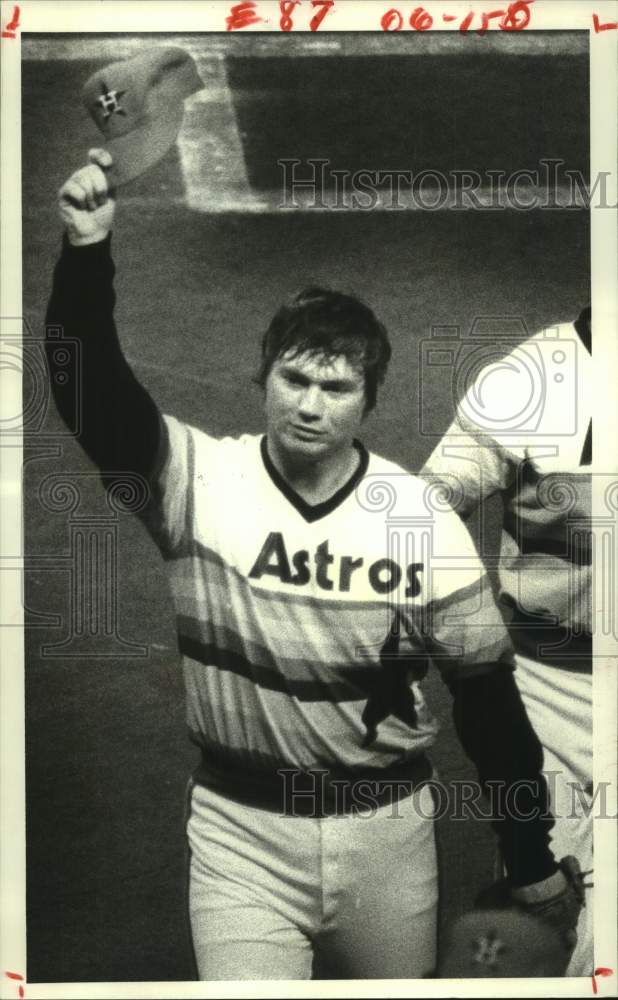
x,y
305,631
532,443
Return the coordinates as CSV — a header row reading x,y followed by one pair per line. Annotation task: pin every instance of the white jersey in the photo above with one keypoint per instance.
x,y
524,430
305,631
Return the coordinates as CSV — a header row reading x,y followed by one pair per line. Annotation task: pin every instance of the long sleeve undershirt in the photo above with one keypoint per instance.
x,y
119,424
120,430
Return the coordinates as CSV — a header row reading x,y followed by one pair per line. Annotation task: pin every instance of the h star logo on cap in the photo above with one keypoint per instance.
x,y
138,105
488,948
109,101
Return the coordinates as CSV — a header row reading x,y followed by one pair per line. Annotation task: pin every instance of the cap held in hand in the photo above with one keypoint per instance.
x,y
138,105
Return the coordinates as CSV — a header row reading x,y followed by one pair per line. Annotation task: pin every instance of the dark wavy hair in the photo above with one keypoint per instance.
x,y
319,321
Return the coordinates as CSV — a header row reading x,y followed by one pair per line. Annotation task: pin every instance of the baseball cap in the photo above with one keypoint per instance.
x,y
500,944
138,105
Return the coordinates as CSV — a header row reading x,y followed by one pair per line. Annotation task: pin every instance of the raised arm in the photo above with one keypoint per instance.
x,y
119,425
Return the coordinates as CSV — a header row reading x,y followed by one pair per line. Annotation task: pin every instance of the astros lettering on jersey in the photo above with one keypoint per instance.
x,y
295,622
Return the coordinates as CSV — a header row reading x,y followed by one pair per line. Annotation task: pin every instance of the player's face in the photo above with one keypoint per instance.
x,y
314,406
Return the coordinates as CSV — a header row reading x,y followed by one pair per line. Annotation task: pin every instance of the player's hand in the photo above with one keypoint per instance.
x,y
85,202
558,900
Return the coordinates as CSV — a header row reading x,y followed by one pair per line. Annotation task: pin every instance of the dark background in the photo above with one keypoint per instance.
x,y
107,757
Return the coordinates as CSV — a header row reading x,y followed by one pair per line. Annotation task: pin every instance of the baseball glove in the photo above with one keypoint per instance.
x,y
517,932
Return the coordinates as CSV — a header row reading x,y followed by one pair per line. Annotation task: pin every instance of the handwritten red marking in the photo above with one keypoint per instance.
x,y
608,26
389,18
325,6
600,972
517,16
242,15
9,31
287,9
420,19
486,17
16,976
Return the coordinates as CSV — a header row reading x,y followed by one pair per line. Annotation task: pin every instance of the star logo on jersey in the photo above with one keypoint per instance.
x,y
109,101
487,949
390,692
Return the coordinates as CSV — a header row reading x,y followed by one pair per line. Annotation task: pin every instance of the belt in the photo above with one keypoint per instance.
x,y
318,792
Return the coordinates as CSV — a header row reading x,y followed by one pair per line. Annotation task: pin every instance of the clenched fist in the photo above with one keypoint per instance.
x,y
85,203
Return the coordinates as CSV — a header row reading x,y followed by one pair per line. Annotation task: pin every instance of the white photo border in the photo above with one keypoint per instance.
x,y
125,16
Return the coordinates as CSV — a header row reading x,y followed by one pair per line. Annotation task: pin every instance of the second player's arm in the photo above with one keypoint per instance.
x,y
471,463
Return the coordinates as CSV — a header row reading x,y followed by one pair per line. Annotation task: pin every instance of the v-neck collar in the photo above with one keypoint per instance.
x,y
313,512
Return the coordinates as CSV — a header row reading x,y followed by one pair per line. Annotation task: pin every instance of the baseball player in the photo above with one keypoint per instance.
x,y
306,617
540,465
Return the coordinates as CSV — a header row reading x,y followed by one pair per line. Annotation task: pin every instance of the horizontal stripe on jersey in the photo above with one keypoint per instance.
x,y
305,640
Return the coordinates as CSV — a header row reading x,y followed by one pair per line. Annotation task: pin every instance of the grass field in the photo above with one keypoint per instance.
x,y
107,757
